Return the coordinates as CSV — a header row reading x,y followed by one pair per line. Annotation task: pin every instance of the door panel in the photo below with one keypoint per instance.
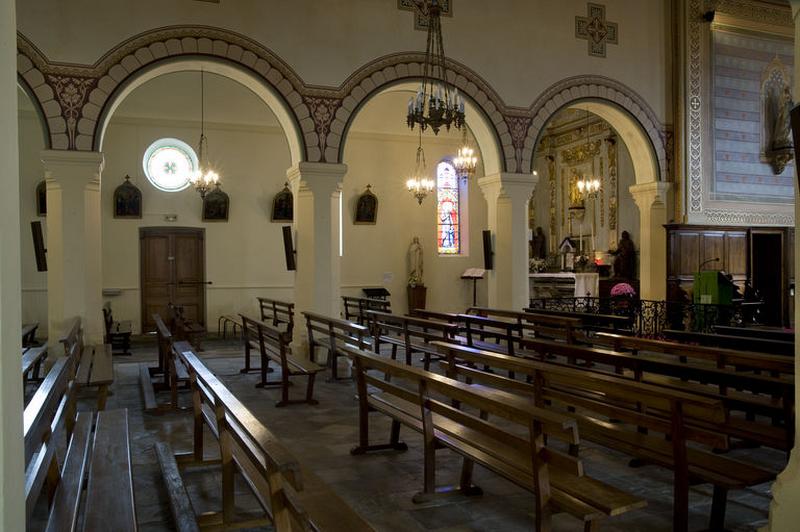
x,y
172,271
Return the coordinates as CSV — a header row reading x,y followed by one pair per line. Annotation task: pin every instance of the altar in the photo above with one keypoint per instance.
x,y
564,284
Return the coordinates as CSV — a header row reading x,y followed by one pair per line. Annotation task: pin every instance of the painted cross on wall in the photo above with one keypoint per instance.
x,y
420,20
596,30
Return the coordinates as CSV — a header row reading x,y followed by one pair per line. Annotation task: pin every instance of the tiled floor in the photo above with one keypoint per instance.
x,y
380,486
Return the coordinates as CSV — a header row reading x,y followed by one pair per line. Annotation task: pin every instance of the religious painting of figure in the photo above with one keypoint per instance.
x,y
575,196
41,198
367,208
215,206
283,205
127,200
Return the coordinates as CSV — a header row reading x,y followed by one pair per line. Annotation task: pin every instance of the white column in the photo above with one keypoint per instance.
x,y
507,197
784,512
12,462
651,198
74,270
316,188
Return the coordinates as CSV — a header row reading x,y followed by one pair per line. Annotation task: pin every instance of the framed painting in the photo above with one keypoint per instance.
x,y
283,205
367,208
127,200
216,206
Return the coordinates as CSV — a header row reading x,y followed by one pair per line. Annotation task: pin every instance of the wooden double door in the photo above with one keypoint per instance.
x,y
173,265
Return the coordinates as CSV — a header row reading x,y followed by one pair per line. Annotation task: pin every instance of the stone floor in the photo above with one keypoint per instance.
x,y
380,486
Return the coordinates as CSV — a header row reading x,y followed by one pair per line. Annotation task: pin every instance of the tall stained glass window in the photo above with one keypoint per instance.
x,y
448,211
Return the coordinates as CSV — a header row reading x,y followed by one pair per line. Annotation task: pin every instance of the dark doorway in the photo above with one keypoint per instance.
x,y
173,270
766,267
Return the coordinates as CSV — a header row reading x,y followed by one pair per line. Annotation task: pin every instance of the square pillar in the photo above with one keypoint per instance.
x,y
651,198
74,270
316,188
507,196
12,457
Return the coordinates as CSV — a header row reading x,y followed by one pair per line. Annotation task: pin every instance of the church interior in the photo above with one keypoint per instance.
x,y
399,265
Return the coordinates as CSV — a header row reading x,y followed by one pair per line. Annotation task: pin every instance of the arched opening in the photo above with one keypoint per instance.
x,y
247,145
267,94
380,150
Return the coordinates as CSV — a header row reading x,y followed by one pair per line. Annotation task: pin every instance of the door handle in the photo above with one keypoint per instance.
x,y
195,282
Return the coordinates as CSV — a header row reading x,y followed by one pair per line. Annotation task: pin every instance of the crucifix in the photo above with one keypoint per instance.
x,y
596,30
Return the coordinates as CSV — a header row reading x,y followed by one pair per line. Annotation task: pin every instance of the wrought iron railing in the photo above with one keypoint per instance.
x,y
650,318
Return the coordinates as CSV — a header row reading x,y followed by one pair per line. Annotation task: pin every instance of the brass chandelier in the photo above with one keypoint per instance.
x,y
435,105
204,179
419,184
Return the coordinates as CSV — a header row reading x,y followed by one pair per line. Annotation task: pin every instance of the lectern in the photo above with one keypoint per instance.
x,y
712,288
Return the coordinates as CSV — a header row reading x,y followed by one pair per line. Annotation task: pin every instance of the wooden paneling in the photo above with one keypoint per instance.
x,y
736,254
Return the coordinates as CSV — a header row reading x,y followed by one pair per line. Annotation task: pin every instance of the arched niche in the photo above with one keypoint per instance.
x,y
479,125
246,78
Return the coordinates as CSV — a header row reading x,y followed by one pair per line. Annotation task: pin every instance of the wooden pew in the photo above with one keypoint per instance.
x,y
183,328
431,315
536,324
411,334
758,345
100,459
355,308
477,329
739,392
32,359
94,363
590,320
169,374
331,333
279,313
638,410
274,346
290,497
118,333
776,365
29,333
430,404
764,333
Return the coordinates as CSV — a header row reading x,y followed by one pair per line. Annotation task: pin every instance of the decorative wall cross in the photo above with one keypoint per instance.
x,y
420,11
596,30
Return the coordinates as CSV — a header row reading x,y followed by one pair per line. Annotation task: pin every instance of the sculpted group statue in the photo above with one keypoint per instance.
x,y
625,259
415,277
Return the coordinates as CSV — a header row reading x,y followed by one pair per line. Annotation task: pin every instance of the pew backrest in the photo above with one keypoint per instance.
x,y
337,331
279,313
72,337
356,307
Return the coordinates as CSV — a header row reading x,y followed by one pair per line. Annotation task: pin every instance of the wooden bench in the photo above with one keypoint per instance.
x,y
224,321
94,363
591,321
432,315
638,410
431,404
29,333
776,365
290,497
355,308
169,374
101,460
739,392
411,334
183,328
535,324
274,346
764,333
477,329
759,345
32,359
279,313
118,333
331,333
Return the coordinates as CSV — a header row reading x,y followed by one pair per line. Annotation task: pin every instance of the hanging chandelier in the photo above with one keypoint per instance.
x,y
466,161
588,186
204,179
418,184
435,104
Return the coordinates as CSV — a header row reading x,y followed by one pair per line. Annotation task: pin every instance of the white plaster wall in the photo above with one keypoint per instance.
x,y
34,284
519,46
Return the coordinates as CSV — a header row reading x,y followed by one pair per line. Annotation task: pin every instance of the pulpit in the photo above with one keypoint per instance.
x,y
712,288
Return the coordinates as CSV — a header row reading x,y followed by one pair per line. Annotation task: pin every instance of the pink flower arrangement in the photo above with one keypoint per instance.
x,y
622,289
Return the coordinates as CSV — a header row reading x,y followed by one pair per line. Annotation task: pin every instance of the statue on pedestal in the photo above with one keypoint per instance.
x,y
625,258
539,245
415,277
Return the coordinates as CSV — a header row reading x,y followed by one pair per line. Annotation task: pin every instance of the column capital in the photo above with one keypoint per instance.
x,y
60,158
316,177
645,194
515,186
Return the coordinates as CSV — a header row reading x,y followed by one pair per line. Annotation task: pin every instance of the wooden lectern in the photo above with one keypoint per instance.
x,y
712,287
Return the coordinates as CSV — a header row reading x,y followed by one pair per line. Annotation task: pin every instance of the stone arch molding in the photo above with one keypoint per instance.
x,y
619,101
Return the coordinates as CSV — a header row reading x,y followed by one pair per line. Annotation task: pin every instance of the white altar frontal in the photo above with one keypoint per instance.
x,y
564,284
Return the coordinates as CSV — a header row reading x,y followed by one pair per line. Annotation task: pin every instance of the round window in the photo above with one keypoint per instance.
x,y
169,164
